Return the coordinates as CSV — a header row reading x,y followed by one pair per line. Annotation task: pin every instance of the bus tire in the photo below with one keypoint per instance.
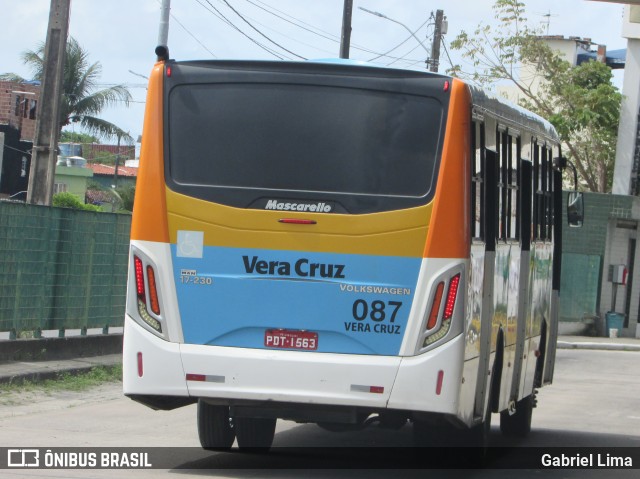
x,y
255,433
519,423
215,430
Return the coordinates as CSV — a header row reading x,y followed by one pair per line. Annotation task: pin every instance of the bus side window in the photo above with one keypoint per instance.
x,y
508,147
543,192
549,211
536,191
477,180
513,185
501,149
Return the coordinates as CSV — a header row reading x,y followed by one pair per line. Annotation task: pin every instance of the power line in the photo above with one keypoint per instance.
x,y
290,20
16,149
193,36
216,13
403,58
319,32
446,51
259,32
128,85
308,27
290,38
402,43
189,33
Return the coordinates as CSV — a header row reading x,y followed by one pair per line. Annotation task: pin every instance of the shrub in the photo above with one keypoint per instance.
x,y
69,200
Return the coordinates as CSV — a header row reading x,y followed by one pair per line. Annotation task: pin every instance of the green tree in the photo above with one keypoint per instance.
x,y
127,195
81,100
73,137
580,102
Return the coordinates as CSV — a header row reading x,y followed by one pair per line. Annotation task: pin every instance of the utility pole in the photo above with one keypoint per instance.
x,y
115,170
45,143
434,62
345,41
162,50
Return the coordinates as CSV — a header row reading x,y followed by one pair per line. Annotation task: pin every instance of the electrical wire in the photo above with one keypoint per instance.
x,y
402,43
190,33
193,36
310,28
216,13
302,24
296,40
404,57
446,50
16,149
260,32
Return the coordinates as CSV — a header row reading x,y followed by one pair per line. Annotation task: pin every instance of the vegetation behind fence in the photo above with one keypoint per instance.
x,y
61,269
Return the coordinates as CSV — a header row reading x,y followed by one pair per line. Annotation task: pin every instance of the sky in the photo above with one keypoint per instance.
x,y
122,34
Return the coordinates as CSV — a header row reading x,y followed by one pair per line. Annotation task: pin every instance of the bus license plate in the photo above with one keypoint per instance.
x,y
287,339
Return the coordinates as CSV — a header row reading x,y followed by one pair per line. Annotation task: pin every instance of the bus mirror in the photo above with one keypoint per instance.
x,y
575,209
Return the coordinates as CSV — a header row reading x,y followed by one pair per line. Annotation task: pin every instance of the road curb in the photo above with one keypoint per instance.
x,y
599,346
39,376
18,372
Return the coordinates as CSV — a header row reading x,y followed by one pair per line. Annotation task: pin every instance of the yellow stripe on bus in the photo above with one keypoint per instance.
x,y
394,233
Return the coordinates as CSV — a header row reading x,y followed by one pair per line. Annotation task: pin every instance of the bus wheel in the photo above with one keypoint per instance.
x,y
255,433
519,423
215,430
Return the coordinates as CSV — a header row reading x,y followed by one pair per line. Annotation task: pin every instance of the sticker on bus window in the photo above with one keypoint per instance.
x,y
190,244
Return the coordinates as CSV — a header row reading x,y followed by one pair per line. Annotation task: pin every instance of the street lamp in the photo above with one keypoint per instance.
x,y
382,15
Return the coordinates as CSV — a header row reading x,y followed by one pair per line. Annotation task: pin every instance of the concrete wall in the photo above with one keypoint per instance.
x,y
17,107
611,222
75,178
625,176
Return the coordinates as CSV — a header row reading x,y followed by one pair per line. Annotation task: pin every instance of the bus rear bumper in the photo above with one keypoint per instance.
x,y
234,375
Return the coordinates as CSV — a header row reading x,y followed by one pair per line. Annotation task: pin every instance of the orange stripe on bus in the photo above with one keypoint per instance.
x,y
150,212
449,228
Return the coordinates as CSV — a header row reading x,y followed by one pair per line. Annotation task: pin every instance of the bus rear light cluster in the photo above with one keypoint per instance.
x,y
142,287
433,331
451,296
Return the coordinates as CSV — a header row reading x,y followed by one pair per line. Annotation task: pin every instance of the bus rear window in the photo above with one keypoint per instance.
x,y
303,138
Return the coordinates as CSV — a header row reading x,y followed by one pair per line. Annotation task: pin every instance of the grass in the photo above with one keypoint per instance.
x,y
68,382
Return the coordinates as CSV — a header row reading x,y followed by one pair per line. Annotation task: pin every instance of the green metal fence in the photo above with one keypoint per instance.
x,y
579,286
61,269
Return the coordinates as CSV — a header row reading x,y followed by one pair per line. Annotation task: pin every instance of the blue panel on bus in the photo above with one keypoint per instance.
x,y
356,304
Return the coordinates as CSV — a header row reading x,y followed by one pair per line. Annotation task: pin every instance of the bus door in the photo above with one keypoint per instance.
x,y
490,169
507,277
524,311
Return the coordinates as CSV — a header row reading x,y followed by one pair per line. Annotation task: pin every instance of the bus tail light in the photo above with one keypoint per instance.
x,y
435,306
451,296
153,292
435,330
139,276
142,286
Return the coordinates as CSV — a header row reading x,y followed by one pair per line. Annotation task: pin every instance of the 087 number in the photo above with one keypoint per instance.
x,y
377,311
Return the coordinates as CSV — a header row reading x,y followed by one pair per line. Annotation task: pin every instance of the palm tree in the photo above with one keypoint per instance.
x,y
80,102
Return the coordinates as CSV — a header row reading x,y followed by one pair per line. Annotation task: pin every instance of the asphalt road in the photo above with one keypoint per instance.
x,y
594,402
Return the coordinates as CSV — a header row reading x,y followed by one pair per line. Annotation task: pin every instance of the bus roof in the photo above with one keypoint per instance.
x,y
500,107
